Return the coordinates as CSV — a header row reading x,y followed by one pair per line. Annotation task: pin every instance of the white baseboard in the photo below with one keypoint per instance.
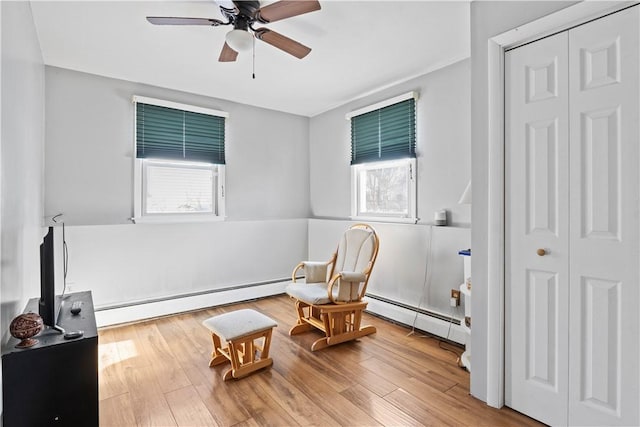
x,y
132,313
424,322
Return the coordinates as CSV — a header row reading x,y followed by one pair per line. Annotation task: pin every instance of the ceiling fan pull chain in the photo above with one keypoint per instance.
x,y
254,58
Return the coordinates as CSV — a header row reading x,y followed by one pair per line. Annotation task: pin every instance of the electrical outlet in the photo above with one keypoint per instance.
x,y
455,297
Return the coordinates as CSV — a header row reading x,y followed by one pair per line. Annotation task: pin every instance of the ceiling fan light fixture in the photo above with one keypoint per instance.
x,y
239,40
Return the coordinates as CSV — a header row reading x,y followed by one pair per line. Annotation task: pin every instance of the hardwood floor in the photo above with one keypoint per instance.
x,y
157,373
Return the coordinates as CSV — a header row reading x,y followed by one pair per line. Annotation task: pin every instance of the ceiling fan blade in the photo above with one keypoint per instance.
x,y
286,44
162,20
227,54
285,9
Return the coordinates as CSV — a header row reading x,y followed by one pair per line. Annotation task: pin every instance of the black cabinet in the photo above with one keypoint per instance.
x,y
54,382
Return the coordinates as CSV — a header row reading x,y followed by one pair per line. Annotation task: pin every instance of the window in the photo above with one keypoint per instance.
x,y
384,189
383,165
179,165
175,188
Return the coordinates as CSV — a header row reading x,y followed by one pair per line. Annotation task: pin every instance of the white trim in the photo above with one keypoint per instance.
x,y
176,219
495,243
392,219
137,190
559,21
382,104
220,192
179,106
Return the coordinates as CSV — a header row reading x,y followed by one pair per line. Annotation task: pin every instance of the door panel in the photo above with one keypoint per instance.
x,y
536,217
600,350
604,239
599,173
541,325
541,179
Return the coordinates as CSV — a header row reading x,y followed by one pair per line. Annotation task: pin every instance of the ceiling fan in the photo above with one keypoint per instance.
x,y
243,15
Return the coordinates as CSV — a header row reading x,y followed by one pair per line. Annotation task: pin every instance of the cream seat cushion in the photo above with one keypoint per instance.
x,y
236,324
311,293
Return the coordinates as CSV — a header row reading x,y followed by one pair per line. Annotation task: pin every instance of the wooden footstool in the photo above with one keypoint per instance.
x,y
240,329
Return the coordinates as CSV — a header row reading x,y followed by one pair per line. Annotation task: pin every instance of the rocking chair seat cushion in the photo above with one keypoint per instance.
x,y
311,293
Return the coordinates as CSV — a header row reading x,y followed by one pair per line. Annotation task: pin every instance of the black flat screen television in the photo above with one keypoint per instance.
x,y
49,305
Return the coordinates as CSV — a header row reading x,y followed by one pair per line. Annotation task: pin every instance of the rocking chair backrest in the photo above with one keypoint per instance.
x,y
358,246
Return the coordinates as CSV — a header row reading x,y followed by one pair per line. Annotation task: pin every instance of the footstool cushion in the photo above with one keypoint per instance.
x,y
236,324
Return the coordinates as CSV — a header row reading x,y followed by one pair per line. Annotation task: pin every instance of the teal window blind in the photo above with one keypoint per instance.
x,y
172,134
387,133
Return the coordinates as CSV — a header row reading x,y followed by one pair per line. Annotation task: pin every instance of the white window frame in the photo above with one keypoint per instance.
x,y
411,217
139,185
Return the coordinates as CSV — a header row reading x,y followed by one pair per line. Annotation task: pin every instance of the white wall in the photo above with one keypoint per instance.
x,y
488,19
443,156
442,145
89,178
22,160
136,263
90,151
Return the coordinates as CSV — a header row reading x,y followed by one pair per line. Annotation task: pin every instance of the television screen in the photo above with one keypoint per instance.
x,y
48,305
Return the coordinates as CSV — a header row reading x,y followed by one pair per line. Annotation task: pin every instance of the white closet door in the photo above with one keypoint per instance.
x,y
604,240
536,215
573,328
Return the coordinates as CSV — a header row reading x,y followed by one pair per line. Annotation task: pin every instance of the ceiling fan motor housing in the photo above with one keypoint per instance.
x,y
243,15
247,8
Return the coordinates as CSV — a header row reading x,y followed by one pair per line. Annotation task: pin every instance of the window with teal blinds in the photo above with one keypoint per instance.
x,y
172,134
387,133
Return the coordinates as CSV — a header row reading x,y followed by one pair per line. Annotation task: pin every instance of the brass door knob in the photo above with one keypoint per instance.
x,y
541,252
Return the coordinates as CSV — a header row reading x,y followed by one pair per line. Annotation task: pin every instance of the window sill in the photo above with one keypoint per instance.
x,y
176,219
385,219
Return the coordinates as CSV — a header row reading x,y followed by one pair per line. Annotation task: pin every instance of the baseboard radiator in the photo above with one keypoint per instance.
x,y
447,327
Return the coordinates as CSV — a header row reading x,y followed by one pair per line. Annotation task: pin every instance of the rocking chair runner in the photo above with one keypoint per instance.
x,y
334,303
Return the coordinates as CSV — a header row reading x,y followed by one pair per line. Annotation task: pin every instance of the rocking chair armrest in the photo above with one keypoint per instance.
x,y
352,276
347,276
295,270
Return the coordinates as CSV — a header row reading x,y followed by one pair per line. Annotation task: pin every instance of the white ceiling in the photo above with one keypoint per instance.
x,y
359,47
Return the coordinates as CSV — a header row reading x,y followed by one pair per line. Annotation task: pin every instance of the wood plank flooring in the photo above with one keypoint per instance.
x,y
156,373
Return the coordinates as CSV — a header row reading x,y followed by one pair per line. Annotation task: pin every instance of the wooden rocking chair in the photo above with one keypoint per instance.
x,y
331,297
